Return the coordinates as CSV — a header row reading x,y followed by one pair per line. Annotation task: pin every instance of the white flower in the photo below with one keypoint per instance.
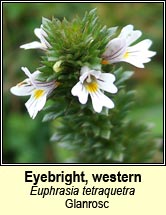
x,y
119,49
43,44
92,82
38,90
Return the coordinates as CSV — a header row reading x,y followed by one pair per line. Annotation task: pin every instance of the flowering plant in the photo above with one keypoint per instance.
x,y
77,62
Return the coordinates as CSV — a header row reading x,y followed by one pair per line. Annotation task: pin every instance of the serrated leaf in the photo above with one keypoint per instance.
x,y
52,116
112,30
125,76
106,134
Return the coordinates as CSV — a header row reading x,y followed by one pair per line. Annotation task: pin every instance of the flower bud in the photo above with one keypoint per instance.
x,y
57,66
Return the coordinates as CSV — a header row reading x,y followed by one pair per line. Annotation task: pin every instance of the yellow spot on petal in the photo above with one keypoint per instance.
x,y
126,55
104,62
38,93
91,87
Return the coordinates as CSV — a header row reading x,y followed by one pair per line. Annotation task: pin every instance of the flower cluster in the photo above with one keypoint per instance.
x,y
91,81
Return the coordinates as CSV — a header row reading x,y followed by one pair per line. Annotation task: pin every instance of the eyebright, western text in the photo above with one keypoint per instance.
x,y
69,178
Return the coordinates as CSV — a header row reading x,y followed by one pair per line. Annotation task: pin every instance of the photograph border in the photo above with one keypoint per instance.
x,y
81,164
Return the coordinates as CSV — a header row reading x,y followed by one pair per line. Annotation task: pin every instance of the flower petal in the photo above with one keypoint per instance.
x,y
136,61
129,34
95,73
22,89
41,34
106,82
115,49
26,71
107,102
85,71
139,54
38,33
32,76
99,100
97,106
126,30
34,105
80,91
143,47
33,45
